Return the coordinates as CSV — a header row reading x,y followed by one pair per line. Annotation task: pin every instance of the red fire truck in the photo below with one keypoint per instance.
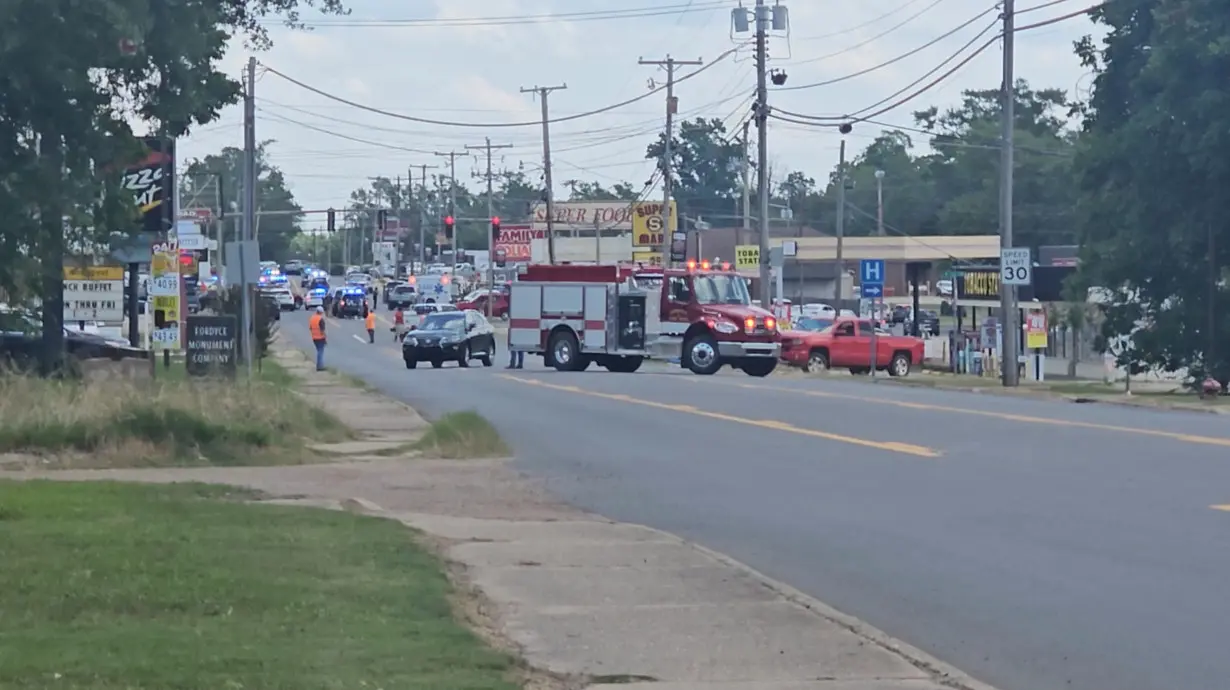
x,y
617,317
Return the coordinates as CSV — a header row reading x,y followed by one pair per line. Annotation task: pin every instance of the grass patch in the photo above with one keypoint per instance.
x,y
462,435
172,420
113,586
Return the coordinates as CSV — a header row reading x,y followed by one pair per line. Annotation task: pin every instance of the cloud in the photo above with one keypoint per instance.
x,y
406,62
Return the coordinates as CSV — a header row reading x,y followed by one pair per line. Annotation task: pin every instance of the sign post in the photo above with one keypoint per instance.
x,y
871,284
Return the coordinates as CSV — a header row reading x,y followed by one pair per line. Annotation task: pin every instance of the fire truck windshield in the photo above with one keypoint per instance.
x,y
720,288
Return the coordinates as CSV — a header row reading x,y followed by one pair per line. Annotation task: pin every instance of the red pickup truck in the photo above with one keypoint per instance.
x,y
847,345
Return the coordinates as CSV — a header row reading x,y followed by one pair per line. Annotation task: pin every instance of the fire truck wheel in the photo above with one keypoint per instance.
x,y
624,365
563,350
701,355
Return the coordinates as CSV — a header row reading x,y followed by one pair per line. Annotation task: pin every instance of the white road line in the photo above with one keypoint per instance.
x,y
356,337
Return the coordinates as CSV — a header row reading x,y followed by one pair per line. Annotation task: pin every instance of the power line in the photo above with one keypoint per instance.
x,y
446,123
851,116
873,39
507,20
893,61
937,81
851,29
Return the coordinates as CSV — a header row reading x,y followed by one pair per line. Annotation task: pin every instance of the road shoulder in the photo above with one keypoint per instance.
x,y
586,601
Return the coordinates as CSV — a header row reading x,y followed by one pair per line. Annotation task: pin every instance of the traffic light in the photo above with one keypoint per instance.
x,y
448,228
382,219
495,229
332,223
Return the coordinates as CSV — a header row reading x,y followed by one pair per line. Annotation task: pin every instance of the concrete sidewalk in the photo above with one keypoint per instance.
x,y
586,601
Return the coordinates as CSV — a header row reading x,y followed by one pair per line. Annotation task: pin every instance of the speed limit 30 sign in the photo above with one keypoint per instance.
x,y
1016,266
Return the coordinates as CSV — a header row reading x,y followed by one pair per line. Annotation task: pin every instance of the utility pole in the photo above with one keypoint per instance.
x,y
489,147
672,106
422,215
880,203
747,189
452,196
841,222
543,92
249,206
1007,293
762,13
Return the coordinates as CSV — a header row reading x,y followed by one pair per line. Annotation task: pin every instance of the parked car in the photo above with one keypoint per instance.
x,y
21,342
847,345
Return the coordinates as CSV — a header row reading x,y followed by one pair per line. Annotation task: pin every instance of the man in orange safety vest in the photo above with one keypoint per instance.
x,y
316,325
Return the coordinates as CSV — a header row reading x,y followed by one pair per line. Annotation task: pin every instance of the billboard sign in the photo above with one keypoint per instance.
x,y
515,240
151,181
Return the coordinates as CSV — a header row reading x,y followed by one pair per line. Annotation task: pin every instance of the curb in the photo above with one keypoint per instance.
x,y
944,674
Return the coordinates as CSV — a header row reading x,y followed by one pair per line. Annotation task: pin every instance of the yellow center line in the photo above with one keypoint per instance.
x,y
1223,508
775,425
1027,419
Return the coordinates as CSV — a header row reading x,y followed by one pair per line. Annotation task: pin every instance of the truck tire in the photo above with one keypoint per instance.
x,y
817,362
759,366
899,365
562,349
700,352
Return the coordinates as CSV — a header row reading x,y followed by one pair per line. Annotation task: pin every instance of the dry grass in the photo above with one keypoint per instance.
x,y
171,421
462,435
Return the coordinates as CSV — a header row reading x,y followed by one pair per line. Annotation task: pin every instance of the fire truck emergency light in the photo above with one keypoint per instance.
x,y
704,265
691,264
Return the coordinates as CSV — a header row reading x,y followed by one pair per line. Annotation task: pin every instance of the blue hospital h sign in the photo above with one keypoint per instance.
x,y
871,271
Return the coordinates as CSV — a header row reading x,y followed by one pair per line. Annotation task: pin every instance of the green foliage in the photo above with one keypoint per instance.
x,y
231,302
218,180
705,165
1153,167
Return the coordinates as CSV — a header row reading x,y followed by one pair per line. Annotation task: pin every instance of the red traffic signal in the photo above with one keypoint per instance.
x,y
448,227
495,228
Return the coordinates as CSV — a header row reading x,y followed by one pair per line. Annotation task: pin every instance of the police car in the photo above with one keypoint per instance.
x,y
348,301
315,297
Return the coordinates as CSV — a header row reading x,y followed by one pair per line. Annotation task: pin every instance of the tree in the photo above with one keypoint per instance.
x,y
705,167
70,103
964,170
1153,166
594,191
218,179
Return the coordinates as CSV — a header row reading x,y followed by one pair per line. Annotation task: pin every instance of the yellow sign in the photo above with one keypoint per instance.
x,y
647,230
94,273
1035,331
165,289
647,258
167,304
747,257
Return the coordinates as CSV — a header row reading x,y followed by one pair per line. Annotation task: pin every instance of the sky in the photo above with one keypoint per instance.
x,y
466,61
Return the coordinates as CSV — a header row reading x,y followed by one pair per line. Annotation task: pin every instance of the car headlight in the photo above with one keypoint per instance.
x,y
725,327
412,342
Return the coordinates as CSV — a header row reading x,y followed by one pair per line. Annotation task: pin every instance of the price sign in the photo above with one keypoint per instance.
x,y
164,285
165,336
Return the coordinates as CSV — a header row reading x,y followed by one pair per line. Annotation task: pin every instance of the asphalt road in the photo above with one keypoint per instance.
x,y
1034,544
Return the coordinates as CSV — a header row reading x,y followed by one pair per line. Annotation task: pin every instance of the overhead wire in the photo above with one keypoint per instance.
x,y
872,39
493,125
851,29
894,60
509,20
938,80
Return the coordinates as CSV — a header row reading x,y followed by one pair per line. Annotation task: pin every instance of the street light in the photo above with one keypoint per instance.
x,y
880,202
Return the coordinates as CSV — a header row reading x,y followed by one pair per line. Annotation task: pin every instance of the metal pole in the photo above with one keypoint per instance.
x,y
249,207
880,202
841,223
549,192
747,189
423,219
672,106
597,241
1007,293
488,147
762,155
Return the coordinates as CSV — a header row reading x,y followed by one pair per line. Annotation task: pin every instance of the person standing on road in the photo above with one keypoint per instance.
x,y
316,325
516,360
370,322
399,324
